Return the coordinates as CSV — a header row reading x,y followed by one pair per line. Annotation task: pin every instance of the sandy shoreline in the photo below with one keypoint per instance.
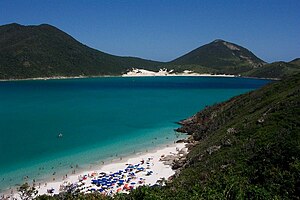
x,y
153,169
136,72
129,74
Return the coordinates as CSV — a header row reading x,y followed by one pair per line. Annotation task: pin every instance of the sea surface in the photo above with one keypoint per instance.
x,y
100,119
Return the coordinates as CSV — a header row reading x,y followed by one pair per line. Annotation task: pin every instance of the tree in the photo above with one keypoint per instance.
x,y
26,192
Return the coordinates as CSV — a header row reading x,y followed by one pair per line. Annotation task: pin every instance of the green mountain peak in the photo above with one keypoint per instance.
x,y
46,51
221,55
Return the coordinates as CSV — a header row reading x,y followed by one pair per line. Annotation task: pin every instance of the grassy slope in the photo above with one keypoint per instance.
x,y
295,61
257,160
274,70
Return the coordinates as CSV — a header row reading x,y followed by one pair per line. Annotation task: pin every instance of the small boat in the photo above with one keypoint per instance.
x,y
60,135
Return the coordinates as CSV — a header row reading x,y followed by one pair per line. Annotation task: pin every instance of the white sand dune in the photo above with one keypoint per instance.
x,y
164,72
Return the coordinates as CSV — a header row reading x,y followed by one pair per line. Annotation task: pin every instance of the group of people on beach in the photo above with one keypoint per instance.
x,y
122,180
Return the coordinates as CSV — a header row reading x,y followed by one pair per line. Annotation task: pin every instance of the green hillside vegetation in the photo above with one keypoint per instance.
x,y
295,61
245,148
274,70
248,148
225,57
45,51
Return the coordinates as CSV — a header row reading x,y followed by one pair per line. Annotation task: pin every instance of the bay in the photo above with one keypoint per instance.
x,y
100,119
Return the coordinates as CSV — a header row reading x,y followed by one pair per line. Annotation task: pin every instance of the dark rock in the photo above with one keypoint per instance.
x,y
178,164
181,141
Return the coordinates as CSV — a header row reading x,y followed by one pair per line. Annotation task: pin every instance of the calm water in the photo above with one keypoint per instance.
x,y
100,119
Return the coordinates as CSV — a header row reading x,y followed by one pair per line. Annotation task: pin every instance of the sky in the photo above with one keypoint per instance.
x,y
166,29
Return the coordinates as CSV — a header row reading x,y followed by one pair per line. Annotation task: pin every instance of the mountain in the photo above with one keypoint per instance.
x,y
223,56
295,61
45,51
275,70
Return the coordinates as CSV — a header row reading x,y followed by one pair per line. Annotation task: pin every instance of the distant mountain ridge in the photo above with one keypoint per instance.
x,y
295,61
275,70
46,51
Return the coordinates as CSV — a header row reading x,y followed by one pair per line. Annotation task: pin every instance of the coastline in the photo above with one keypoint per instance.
x,y
131,76
161,169
115,161
119,76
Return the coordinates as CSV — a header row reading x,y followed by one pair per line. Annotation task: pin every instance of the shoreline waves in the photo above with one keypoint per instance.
x,y
147,168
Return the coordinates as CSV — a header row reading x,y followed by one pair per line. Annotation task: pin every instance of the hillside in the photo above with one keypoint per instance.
x,y
295,61
274,70
246,148
223,56
45,51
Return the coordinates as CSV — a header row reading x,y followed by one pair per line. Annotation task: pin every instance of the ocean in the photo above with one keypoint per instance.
x,y
99,119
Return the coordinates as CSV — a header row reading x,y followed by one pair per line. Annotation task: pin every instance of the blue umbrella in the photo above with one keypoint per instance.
x,y
94,181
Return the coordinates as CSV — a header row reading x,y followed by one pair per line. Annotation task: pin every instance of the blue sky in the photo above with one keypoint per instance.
x,y
165,29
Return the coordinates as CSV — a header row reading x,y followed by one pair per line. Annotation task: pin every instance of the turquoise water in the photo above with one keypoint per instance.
x,y
100,119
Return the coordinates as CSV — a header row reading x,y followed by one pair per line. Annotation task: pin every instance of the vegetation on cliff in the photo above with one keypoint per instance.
x,y
275,70
247,148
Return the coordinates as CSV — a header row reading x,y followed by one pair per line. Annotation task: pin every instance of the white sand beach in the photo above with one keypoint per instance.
x,y
121,175
134,72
